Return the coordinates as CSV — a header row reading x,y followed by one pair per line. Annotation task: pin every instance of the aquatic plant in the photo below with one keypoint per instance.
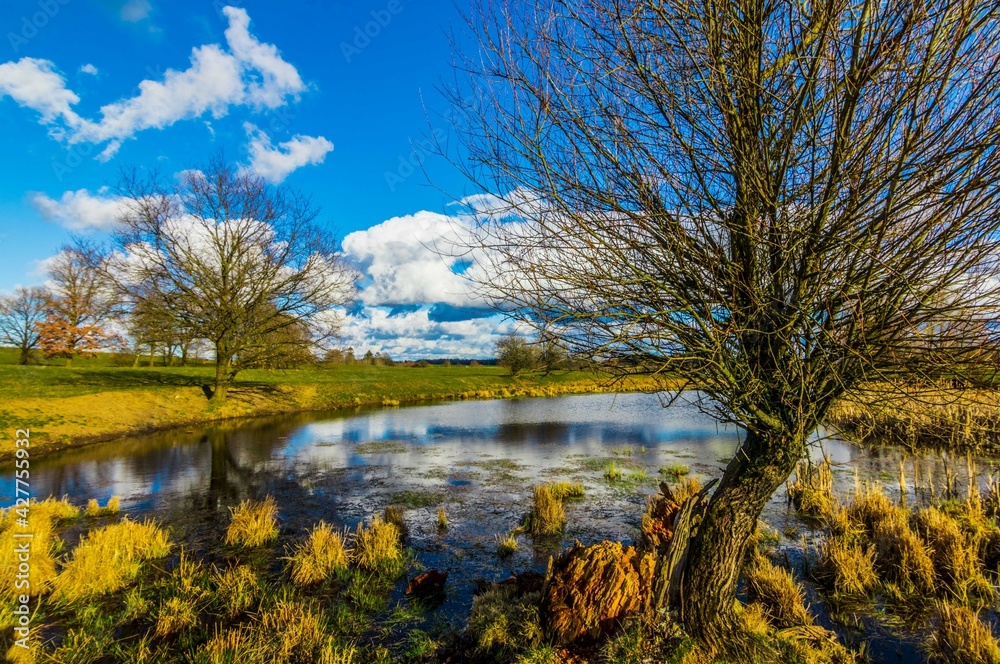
x,y
502,621
394,514
506,544
812,490
566,490
94,508
675,470
90,570
961,638
613,473
237,589
378,548
780,595
442,518
254,523
320,556
547,515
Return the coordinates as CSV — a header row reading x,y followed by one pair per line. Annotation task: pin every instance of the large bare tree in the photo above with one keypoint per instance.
x,y
774,200
231,259
20,314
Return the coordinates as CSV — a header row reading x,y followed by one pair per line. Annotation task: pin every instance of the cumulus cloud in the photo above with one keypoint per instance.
x,y
79,210
415,259
244,72
36,84
414,334
277,163
89,69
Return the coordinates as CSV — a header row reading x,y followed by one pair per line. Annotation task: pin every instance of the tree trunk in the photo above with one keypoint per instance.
x,y
152,355
223,362
25,355
717,550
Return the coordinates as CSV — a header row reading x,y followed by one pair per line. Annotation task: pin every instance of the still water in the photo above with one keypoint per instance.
x,y
479,459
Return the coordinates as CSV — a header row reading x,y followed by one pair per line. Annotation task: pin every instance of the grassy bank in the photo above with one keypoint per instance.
x,y
92,401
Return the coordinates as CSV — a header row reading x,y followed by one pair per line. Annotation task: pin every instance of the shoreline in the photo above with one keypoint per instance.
x,y
59,424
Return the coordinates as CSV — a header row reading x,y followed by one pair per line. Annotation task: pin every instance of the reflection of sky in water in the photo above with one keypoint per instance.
x,y
220,461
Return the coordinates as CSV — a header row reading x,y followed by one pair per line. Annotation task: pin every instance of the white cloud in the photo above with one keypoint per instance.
x,y
135,10
36,84
413,260
277,163
80,210
89,69
414,335
244,72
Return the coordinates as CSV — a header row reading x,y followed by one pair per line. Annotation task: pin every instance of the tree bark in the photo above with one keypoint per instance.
x,y
717,550
223,361
25,355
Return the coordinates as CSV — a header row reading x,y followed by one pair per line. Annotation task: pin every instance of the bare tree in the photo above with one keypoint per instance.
x,y
774,201
232,259
20,314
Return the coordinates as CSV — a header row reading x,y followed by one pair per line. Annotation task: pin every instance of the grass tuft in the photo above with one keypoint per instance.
x,y
109,558
506,544
502,622
547,516
394,514
780,595
961,638
254,523
378,548
675,470
442,518
566,490
812,490
94,508
321,556
237,589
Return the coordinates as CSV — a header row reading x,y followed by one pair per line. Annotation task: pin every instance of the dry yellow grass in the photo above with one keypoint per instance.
x,y
290,631
395,514
109,558
954,554
94,508
547,516
442,518
237,589
961,638
812,490
902,558
846,567
565,490
688,488
254,523
378,548
321,556
780,595
42,518
175,615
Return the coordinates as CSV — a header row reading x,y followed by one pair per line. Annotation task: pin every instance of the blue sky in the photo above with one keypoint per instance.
x,y
296,90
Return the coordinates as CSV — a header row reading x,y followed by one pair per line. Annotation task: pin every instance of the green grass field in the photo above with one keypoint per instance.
x,y
93,400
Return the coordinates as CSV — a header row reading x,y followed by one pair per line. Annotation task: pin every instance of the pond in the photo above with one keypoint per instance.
x,y
477,459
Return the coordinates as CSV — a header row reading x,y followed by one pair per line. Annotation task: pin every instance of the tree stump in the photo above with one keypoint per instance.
x,y
590,589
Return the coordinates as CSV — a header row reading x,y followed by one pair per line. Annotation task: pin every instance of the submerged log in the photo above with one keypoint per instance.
x,y
591,589
428,583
